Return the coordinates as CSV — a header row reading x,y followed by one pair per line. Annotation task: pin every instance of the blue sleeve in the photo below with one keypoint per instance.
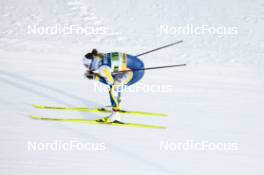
x,y
95,64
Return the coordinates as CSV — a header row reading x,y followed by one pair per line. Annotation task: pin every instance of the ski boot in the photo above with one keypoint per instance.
x,y
114,117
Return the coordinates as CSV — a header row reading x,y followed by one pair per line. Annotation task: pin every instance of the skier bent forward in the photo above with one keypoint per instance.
x,y
116,70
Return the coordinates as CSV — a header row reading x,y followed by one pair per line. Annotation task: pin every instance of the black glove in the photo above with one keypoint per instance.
x,y
90,75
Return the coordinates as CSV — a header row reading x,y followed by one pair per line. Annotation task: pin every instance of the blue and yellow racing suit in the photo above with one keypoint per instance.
x,y
108,72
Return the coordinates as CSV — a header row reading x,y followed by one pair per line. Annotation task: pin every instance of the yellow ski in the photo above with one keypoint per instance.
x,y
83,121
100,110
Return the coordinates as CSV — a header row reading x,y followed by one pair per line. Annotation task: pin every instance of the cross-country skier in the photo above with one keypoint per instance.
x,y
116,70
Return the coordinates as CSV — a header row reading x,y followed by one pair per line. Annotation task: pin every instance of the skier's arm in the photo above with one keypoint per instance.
x,y
94,64
92,68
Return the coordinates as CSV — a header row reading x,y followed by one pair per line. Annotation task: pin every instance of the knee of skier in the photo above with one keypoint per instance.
x,y
123,78
105,72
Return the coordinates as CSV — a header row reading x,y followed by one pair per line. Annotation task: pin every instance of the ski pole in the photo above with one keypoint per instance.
x,y
148,68
168,45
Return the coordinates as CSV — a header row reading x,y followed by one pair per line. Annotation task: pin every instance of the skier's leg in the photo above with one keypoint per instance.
x,y
115,92
105,72
115,97
116,85
115,100
123,78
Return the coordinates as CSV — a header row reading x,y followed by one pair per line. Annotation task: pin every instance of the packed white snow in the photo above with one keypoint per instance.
x,y
214,104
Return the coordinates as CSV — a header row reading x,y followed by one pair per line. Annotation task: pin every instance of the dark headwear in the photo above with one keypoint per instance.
x,y
91,54
94,53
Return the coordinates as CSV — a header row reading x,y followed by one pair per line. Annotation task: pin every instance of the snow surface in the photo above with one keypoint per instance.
x,y
218,97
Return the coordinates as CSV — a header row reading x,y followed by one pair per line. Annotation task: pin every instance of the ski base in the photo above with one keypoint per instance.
x,y
83,121
100,110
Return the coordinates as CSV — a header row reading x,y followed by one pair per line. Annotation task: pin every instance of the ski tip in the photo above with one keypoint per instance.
x,y
36,106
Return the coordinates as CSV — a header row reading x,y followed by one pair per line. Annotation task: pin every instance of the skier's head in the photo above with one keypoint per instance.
x,y
94,53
